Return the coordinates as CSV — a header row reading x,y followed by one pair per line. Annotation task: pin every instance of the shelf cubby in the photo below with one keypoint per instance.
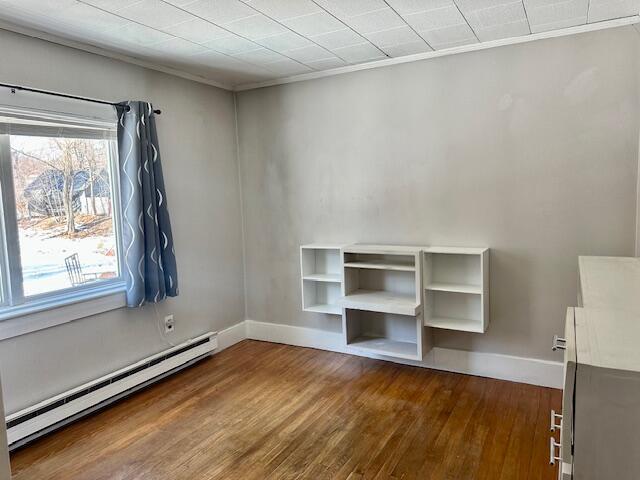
x,y
399,336
369,261
320,259
453,311
321,271
382,279
382,300
456,283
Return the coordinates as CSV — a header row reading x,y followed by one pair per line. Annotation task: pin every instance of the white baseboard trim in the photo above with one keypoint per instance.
x,y
493,365
231,335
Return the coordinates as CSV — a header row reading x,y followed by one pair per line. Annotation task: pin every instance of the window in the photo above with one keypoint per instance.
x,y
60,221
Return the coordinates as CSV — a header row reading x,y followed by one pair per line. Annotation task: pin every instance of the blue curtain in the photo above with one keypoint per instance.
x,y
149,257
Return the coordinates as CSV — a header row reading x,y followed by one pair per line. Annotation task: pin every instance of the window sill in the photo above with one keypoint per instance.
x,y
45,313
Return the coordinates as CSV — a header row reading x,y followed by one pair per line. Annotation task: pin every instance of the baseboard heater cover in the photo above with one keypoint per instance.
x,y
27,424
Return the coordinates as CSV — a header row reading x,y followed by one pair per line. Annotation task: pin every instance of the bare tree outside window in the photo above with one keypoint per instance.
x,y
64,209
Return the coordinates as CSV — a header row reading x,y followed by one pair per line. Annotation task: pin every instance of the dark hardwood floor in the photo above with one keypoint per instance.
x,y
266,411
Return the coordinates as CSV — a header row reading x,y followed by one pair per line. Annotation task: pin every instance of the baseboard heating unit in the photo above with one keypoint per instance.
x,y
53,413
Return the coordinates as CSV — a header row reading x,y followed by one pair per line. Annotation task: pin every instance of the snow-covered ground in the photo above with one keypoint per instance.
x,y
43,266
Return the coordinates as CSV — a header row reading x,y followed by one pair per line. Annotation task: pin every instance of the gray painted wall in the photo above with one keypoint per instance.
x,y
197,139
531,150
637,251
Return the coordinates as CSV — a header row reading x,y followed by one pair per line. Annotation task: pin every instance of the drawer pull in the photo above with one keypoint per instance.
x,y
552,451
555,425
559,343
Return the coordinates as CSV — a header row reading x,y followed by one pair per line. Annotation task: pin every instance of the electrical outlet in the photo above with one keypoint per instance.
x,y
169,324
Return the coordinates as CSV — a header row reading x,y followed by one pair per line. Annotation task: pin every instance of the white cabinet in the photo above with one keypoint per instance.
x,y
607,395
600,435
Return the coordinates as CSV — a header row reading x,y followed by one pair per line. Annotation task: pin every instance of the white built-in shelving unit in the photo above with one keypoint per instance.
x,y
382,300
387,294
321,268
456,285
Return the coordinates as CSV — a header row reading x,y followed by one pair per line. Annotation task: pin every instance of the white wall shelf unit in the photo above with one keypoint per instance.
x,y
321,271
387,294
382,300
456,288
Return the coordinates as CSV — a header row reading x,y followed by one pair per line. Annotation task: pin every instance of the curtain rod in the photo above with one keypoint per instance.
x,y
63,95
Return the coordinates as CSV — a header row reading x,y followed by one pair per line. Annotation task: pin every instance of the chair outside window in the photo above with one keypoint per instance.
x,y
74,270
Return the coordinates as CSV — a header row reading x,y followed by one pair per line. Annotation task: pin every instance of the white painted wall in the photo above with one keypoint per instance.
x,y
530,149
197,139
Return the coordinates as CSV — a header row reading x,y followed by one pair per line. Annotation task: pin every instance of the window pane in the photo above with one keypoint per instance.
x,y
64,211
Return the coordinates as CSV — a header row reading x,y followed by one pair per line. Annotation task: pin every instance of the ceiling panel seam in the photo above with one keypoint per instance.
x,y
408,25
350,27
293,31
167,33
238,35
466,20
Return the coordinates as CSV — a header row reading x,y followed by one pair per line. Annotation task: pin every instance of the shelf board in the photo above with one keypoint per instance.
x,y
383,265
324,277
385,346
321,246
380,301
459,324
456,250
382,249
454,287
324,308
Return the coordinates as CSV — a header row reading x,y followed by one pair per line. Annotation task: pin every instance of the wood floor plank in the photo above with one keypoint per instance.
x,y
541,436
426,451
495,448
516,466
265,411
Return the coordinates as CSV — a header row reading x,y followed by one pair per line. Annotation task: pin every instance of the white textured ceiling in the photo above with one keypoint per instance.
x,y
236,42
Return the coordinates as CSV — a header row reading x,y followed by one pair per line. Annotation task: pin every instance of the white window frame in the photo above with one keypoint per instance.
x,y
20,314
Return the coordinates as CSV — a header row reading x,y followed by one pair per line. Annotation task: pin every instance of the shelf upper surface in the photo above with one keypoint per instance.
x,y
459,324
386,346
454,287
324,308
380,301
324,277
322,246
395,249
382,249
607,338
382,265
610,282
456,250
